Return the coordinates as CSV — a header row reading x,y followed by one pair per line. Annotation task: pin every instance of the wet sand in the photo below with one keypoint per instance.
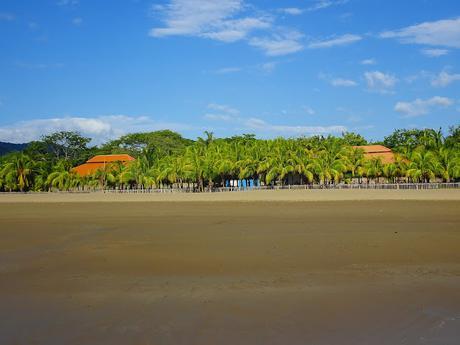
x,y
316,272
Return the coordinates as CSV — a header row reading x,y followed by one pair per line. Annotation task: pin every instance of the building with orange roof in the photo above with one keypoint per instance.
x,y
377,151
100,162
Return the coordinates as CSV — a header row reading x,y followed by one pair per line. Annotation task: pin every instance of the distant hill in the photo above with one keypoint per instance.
x,y
9,147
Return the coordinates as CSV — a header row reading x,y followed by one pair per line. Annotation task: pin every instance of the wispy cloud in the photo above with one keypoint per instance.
x,y
343,82
231,117
309,110
227,21
293,11
444,79
99,128
237,29
77,21
337,41
337,82
221,112
418,76
369,62
208,19
223,108
322,4
422,107
279,44
227,70
268,67
272,129
67,2
434,52
441,33
379,81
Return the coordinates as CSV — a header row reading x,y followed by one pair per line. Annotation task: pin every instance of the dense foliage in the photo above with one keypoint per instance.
x,y
165,159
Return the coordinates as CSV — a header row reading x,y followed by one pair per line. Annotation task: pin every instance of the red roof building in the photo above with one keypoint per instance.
x,y
100,162
377,151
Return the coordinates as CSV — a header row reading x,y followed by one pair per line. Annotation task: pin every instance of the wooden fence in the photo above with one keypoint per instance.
x,y
389,186
374,186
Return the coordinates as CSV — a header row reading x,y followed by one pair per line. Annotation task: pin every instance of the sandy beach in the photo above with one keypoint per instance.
x,y
334,267
243,196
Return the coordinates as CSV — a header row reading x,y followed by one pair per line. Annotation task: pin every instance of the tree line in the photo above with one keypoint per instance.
x,y
165,159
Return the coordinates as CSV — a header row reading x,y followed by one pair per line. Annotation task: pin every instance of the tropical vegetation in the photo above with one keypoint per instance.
x,y
164,159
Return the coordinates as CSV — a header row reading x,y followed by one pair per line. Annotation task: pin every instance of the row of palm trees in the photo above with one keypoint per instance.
x,y
211,163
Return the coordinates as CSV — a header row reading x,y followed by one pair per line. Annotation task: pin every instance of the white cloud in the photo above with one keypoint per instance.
x,y
322,4
293,11
209,19
309,110
338,41
223,108
434,52
267,128
218,117
418,76
231,117
379,81
238,29
100,128
222,112
422,107
343,82
68,2
77,21
444,79
444,33
279,44
369,62
7,16
227,70
227,21
268,67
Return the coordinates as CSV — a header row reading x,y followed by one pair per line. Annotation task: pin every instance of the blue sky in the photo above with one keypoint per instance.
x,y
290,67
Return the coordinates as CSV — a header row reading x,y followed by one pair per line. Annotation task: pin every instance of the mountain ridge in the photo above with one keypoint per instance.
x,y
6,147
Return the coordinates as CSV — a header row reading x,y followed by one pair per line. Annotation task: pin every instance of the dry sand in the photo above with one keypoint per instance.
x,y
330,272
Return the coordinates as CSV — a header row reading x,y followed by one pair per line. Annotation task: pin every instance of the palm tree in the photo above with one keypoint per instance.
x,y
422,166
195,166
62,177
303,165
330,162
374,169
448,164
140,172
394,171
18,173
105,176
356,162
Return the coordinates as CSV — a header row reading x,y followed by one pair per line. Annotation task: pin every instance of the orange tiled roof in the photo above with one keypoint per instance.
x,y
373,148
378,151
99,162
88,168
110,158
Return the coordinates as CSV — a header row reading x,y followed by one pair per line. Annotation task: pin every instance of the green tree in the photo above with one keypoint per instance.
x,y
422,167
18,173
69,146
62,177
